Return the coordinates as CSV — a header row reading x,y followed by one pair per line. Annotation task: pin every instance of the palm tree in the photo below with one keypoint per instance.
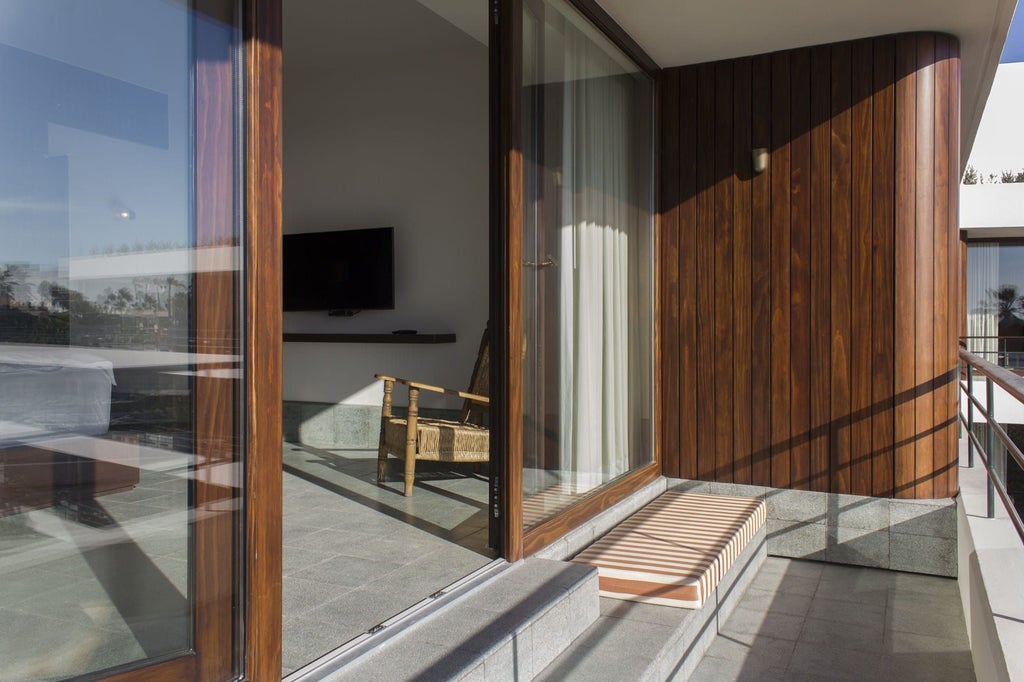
x,y
124,299
10,277
171,282
1005,302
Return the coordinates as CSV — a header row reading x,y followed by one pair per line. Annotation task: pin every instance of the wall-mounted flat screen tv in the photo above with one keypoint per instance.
x,y
343,271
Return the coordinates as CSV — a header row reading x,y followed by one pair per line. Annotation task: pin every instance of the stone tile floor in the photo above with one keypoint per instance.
x,y
804,620
356,553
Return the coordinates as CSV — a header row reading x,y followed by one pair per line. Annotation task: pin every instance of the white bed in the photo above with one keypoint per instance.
x,y
51,391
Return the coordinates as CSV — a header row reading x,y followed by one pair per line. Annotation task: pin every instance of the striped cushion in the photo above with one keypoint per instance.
x,y
674,551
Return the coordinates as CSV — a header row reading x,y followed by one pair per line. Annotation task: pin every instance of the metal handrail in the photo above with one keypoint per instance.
x,y
1003,356
1014,386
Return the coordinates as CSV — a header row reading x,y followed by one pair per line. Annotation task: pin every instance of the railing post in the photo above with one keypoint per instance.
x,y
990,444
970,415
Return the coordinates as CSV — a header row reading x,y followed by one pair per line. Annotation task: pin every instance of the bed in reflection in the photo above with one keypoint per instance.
x,y
51,393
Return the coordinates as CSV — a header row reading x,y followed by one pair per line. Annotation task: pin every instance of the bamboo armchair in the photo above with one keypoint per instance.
x,y
414,438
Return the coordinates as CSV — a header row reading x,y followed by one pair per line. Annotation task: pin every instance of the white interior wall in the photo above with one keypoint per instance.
x,y
394,138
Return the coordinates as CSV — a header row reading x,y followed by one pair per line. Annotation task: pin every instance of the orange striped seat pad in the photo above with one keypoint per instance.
x,y
674,551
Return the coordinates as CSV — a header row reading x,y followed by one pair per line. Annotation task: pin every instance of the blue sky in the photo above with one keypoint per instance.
x,y
1013,50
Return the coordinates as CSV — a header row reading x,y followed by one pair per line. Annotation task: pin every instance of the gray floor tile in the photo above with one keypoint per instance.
x,y
301,596
792,567
829,634
331,540
922,667
869,615
648,613
298,558
644,640
812,661
725,670
786,583
772,601
38,648
27,584
357,553
310,638
925,584
903,643
946,605
938,622
346,571
862,624
589,665
774,653
745,625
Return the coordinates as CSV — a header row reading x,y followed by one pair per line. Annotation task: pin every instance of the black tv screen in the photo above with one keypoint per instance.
x,y
347,270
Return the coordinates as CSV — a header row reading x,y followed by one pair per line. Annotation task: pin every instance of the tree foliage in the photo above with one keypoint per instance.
x,y
973,177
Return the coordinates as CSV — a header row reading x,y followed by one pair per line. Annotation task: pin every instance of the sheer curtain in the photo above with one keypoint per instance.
x,y
982,314
588,260
600,334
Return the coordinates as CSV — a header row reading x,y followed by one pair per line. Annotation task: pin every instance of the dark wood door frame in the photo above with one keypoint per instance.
x,y
506,309
263,485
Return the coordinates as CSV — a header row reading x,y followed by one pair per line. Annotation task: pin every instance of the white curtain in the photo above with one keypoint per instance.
x,y
982,314
600,337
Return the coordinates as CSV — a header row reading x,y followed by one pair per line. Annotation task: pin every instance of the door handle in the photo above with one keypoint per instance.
x,y
546,263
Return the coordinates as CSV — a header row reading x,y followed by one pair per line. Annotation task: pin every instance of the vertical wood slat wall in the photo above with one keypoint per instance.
x,y
808,330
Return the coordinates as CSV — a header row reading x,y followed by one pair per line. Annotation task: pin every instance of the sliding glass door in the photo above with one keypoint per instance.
x,y
587,238
122,420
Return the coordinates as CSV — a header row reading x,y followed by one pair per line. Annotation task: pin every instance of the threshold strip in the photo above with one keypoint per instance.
x,y
336,659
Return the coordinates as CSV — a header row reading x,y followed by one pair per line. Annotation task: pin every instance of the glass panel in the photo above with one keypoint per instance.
x,y
119,369
587,260
995,301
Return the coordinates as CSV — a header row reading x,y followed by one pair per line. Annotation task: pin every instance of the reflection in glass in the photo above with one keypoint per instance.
x,y
587,261
995,301
102,465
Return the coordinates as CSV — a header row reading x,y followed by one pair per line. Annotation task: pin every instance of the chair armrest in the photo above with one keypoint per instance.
x,y
482,399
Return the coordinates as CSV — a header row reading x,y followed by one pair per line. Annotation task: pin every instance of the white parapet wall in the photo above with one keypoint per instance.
x,y
1008,409
990,557
984,209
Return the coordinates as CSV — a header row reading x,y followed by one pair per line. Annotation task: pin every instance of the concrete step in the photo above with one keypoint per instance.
x,y
646,642
508,627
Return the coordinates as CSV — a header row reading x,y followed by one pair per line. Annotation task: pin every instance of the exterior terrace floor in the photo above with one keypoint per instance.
x,y
803,620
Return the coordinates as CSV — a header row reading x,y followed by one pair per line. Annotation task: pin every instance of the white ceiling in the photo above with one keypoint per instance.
x,y
677,32
672,32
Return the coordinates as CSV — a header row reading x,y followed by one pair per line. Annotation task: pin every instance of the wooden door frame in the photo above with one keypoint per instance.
x,y
263,338
506,309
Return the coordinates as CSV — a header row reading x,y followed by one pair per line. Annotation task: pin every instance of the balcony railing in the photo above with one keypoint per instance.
x,y
998,448
1005,351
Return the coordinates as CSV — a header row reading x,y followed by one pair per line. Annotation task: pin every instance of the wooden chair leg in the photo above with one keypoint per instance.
x,y
410,440
385,415
382,463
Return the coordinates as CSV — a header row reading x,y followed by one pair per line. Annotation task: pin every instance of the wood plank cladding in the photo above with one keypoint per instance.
x,y
808,335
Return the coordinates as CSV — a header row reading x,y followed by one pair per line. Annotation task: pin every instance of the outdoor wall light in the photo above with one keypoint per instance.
x,y
760,159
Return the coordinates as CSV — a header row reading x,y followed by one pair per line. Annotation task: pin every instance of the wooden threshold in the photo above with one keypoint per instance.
x,y
546,532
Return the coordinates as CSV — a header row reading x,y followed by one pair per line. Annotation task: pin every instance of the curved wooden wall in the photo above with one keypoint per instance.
x,y
808,313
